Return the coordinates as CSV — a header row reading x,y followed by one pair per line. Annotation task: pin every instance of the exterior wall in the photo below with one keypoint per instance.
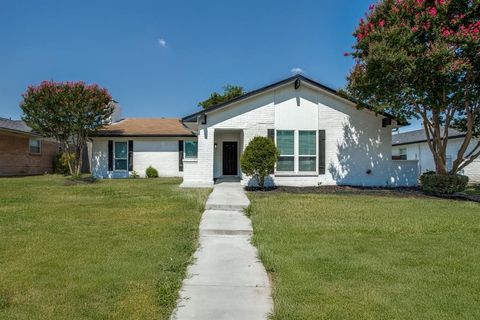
x,y
15,158
356,142
422,153
252,117
160,153
403,173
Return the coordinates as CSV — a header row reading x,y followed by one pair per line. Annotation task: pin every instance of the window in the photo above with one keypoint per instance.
x,y
307,151
403,154
121,155
34,146
191,149
449,162
286,145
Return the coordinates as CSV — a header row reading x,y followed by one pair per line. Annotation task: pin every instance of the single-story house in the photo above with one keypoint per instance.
x,y
413,145
24,152
323,138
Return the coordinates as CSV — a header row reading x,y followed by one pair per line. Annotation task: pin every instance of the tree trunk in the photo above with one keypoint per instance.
x,y
79,158
261,183
434,141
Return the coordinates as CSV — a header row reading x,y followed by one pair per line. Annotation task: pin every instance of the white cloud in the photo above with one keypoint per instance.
x,y
297,70
162,42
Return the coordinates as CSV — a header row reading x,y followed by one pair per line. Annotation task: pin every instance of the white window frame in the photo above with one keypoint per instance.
x,y
449,162
308,156
401,154
288,155
39,146
185,150
115,157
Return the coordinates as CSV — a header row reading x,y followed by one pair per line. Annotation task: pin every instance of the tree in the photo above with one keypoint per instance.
x,y
421,59
229,92
258,159
70,112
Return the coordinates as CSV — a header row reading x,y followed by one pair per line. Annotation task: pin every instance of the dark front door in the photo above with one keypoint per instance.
x,y
230,158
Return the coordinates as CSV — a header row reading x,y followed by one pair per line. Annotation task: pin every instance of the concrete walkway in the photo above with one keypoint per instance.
x,y
227,281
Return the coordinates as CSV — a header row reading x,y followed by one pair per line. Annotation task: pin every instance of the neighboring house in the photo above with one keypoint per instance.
x,y
135,144
413,146
24,152
323,138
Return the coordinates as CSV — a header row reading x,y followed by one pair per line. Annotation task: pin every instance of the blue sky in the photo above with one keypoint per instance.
x,y
160,58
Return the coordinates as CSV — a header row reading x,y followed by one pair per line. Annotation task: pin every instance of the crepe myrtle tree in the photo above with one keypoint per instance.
x,y
421,59
69,112
259,158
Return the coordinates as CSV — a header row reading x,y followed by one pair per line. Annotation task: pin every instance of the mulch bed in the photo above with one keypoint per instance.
x,y
405,192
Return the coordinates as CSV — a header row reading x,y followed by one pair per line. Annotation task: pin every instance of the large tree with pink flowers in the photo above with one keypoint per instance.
x,y
421,59
69,112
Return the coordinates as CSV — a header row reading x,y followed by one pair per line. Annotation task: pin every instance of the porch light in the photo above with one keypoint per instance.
x,y
215,145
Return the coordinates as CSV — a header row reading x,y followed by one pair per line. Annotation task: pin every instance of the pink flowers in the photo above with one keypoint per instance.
x,y
414,29
381,23
432,11
447,32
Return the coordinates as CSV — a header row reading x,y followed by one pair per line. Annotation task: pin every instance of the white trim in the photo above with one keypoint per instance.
x,y
39,146
114,156
185,151
296,154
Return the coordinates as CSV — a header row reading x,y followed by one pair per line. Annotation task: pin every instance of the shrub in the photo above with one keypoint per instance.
x,y
443,183
151,172
135,175
258,159
60,163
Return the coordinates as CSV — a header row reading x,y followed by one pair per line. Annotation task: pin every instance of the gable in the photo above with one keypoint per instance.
x,y
296,84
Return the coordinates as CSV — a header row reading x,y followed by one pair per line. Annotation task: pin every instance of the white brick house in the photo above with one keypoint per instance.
x,y
323,140
413,145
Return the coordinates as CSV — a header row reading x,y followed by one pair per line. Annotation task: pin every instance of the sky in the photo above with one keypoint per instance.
x,y
160,58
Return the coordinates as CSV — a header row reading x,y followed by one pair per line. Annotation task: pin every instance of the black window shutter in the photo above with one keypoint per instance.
x,y
110,155
130,155
180,155
321,151
271,136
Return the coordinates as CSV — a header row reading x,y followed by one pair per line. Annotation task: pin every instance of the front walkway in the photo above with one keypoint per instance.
x,y
227,281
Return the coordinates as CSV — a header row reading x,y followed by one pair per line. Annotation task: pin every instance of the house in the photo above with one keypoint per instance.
x,y
413,146
24,152
323,138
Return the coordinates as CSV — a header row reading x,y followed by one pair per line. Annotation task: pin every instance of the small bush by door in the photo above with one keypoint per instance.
x,y
258,159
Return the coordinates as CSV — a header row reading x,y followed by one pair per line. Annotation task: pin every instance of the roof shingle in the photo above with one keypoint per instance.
x,y
146,127
15,125
420,136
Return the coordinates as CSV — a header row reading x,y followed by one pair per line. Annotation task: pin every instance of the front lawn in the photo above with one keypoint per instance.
x,y
113,249
351,256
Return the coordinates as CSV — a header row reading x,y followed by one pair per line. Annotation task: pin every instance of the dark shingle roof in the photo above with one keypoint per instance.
x,y
16,126
420,136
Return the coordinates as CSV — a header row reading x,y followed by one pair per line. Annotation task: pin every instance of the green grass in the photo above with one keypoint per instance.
x,y
369,257
114,249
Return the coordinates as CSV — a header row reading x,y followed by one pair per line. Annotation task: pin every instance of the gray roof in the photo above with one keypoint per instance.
x,y
417,136
16,126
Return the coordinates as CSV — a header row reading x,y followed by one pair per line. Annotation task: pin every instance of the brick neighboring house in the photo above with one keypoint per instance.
x,y
24,152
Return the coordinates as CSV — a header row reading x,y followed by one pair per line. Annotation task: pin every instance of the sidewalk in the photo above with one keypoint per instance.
x,y
226,281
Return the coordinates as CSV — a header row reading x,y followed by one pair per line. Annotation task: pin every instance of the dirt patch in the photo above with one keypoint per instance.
x,y
405,192
76,181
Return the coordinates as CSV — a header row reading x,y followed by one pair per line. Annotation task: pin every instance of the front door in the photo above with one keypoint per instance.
x,y
230,158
